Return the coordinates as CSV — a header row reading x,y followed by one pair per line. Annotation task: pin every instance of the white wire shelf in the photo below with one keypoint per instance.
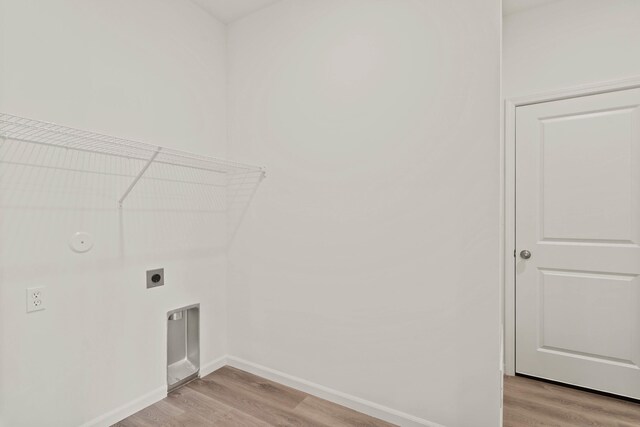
x,y
27,130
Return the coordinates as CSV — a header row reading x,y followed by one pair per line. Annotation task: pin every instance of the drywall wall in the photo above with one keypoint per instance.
x,y
151,70
570,43
368,261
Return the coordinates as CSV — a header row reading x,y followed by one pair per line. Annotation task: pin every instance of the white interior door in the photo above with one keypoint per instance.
x,y
578,213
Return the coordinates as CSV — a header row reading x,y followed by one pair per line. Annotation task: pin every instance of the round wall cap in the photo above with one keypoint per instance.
x,y
81,242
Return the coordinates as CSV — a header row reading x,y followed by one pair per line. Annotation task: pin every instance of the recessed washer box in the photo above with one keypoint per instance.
x,y
183,346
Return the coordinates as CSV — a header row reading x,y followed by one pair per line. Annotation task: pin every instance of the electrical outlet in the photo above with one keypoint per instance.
x,y
35,299
155,278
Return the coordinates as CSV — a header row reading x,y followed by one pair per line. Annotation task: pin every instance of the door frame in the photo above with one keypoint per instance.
x,y
508,198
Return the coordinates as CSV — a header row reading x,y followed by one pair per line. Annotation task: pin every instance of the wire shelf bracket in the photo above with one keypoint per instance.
x,y
137,178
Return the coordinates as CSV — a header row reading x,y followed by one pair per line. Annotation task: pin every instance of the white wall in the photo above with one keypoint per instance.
x,y
569,43
368,262
152,70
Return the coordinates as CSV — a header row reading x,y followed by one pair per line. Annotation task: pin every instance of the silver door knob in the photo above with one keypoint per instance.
x,y
525,254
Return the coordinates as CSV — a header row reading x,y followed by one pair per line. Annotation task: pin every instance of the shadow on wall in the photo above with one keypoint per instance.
x,y
47,190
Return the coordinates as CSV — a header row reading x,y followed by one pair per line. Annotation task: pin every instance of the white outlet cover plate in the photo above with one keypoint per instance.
x,y
81,242
35,299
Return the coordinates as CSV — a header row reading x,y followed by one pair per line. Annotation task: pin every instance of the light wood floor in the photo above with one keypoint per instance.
x,y
530,403
233,398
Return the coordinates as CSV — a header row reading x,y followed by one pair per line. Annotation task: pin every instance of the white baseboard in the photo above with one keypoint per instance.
x,y
148,399
213,366
128,409
361,405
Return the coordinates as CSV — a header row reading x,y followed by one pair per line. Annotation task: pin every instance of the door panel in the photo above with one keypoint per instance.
x,y
578,212
591,314
588,157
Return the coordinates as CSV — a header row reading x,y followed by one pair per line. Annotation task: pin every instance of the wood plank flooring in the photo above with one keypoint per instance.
x,y
529,403
232,398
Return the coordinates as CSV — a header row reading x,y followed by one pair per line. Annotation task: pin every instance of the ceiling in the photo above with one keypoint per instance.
x,y
231,10
513,6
